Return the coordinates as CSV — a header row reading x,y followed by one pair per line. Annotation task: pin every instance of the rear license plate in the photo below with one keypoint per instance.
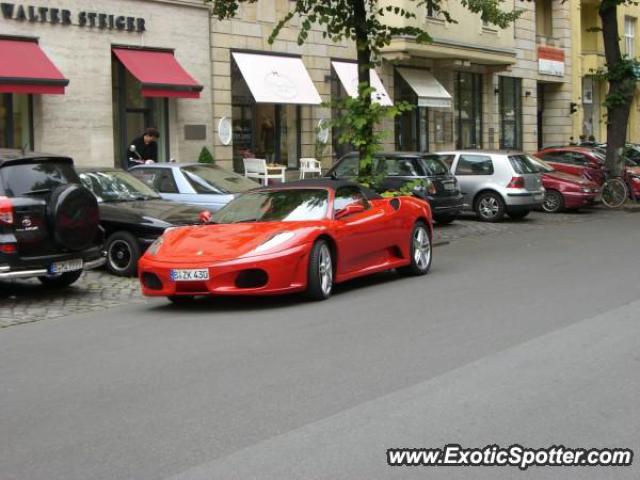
x,y
189,275
66,266
448,186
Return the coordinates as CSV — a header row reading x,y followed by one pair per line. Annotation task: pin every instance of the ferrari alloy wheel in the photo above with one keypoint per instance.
x,y
420,251
490,207
123,253
320,274
553,201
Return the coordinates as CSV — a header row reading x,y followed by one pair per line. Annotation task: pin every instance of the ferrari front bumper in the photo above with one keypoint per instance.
x,y
271,274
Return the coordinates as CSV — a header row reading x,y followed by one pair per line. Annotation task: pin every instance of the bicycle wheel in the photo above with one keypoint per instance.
x,y
614,193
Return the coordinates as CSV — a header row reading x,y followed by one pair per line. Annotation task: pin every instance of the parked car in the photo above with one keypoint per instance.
x,y
440,188
581,161
132,215
207,186
495,183
295,237
49,223
589,163
564,191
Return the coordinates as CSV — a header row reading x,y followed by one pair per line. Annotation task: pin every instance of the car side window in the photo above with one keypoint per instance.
x,y
348,167
146,175
348,195
402,167
554,157
164,182
474,165
578,159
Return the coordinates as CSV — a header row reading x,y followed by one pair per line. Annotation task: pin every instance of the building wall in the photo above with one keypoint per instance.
x,y
588,56
250,30
80,123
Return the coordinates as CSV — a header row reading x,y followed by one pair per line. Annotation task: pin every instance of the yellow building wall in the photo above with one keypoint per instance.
x,y
589,56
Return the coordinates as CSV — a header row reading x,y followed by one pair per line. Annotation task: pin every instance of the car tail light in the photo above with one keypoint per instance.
x,y
516,182
6,211
8,248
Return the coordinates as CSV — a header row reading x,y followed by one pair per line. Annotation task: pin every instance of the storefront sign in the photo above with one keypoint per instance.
x,y
551,61
60,16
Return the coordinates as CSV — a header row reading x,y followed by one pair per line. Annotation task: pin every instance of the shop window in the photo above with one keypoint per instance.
x,y
16,121
468,110
411,127
263,130
544,15
510,90
133,113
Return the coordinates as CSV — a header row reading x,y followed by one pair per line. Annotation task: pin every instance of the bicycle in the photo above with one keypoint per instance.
x,y
615,190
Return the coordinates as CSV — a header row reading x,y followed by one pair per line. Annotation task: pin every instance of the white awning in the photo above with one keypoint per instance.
x,y
429,90
348,75
277,79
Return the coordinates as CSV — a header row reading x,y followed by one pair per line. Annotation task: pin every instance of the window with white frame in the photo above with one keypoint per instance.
x,y
630,36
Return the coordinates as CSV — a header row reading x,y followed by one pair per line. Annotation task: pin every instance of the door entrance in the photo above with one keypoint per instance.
x,y
133,113
540,116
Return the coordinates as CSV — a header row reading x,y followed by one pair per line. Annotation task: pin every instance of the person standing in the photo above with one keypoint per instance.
x,y
146,147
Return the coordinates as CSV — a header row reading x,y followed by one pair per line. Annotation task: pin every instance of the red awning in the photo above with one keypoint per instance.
x,y
25,68
159,73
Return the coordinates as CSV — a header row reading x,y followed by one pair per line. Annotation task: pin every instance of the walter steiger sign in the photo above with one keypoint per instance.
x,y
60,16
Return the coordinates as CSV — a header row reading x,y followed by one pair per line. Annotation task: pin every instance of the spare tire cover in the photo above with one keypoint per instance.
x,y
74,216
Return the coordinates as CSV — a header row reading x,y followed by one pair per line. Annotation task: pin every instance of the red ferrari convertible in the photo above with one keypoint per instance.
x,y
299,237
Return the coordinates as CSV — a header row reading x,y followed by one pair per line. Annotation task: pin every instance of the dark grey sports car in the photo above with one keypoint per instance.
x,y
132,214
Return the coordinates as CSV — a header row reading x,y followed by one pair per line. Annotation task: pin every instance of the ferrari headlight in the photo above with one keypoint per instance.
x,y
155,246
586,190
277,239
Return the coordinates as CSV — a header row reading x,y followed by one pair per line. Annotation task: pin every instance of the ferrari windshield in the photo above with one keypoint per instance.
x,y
290,205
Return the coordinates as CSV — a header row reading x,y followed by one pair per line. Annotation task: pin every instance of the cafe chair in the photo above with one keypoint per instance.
x,y
258,169
310,165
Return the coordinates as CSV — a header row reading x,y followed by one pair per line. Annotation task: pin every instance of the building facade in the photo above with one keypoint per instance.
x,y
588,56
85,78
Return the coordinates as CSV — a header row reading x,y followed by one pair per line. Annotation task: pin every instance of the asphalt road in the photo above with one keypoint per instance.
x,y
530,337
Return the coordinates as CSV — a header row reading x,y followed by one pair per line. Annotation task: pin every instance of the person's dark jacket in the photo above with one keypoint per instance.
x,y
147,152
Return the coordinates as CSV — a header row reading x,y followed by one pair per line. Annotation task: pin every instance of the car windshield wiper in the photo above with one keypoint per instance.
x,y
246,220
37,191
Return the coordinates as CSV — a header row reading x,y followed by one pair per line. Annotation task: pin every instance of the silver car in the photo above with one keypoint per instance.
x,y
207,186
495,183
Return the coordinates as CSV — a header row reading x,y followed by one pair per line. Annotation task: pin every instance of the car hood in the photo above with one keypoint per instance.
x,y
150,212
567,177
229,241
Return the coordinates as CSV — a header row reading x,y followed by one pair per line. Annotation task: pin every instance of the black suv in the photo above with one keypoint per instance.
x,y
400,168
49,223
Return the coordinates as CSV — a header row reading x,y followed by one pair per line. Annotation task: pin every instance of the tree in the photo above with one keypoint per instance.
x,y
363,22
620,72
205,156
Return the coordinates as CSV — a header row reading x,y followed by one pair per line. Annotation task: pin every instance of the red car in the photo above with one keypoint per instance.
x,y
297,237
580,161
588,163
564,191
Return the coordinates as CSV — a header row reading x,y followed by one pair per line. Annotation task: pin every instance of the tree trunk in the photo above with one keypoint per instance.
x,y
620,90
364,69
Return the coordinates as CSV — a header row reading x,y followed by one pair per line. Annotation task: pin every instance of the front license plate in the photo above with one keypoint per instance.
x,y
66,266
448,186
189,275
